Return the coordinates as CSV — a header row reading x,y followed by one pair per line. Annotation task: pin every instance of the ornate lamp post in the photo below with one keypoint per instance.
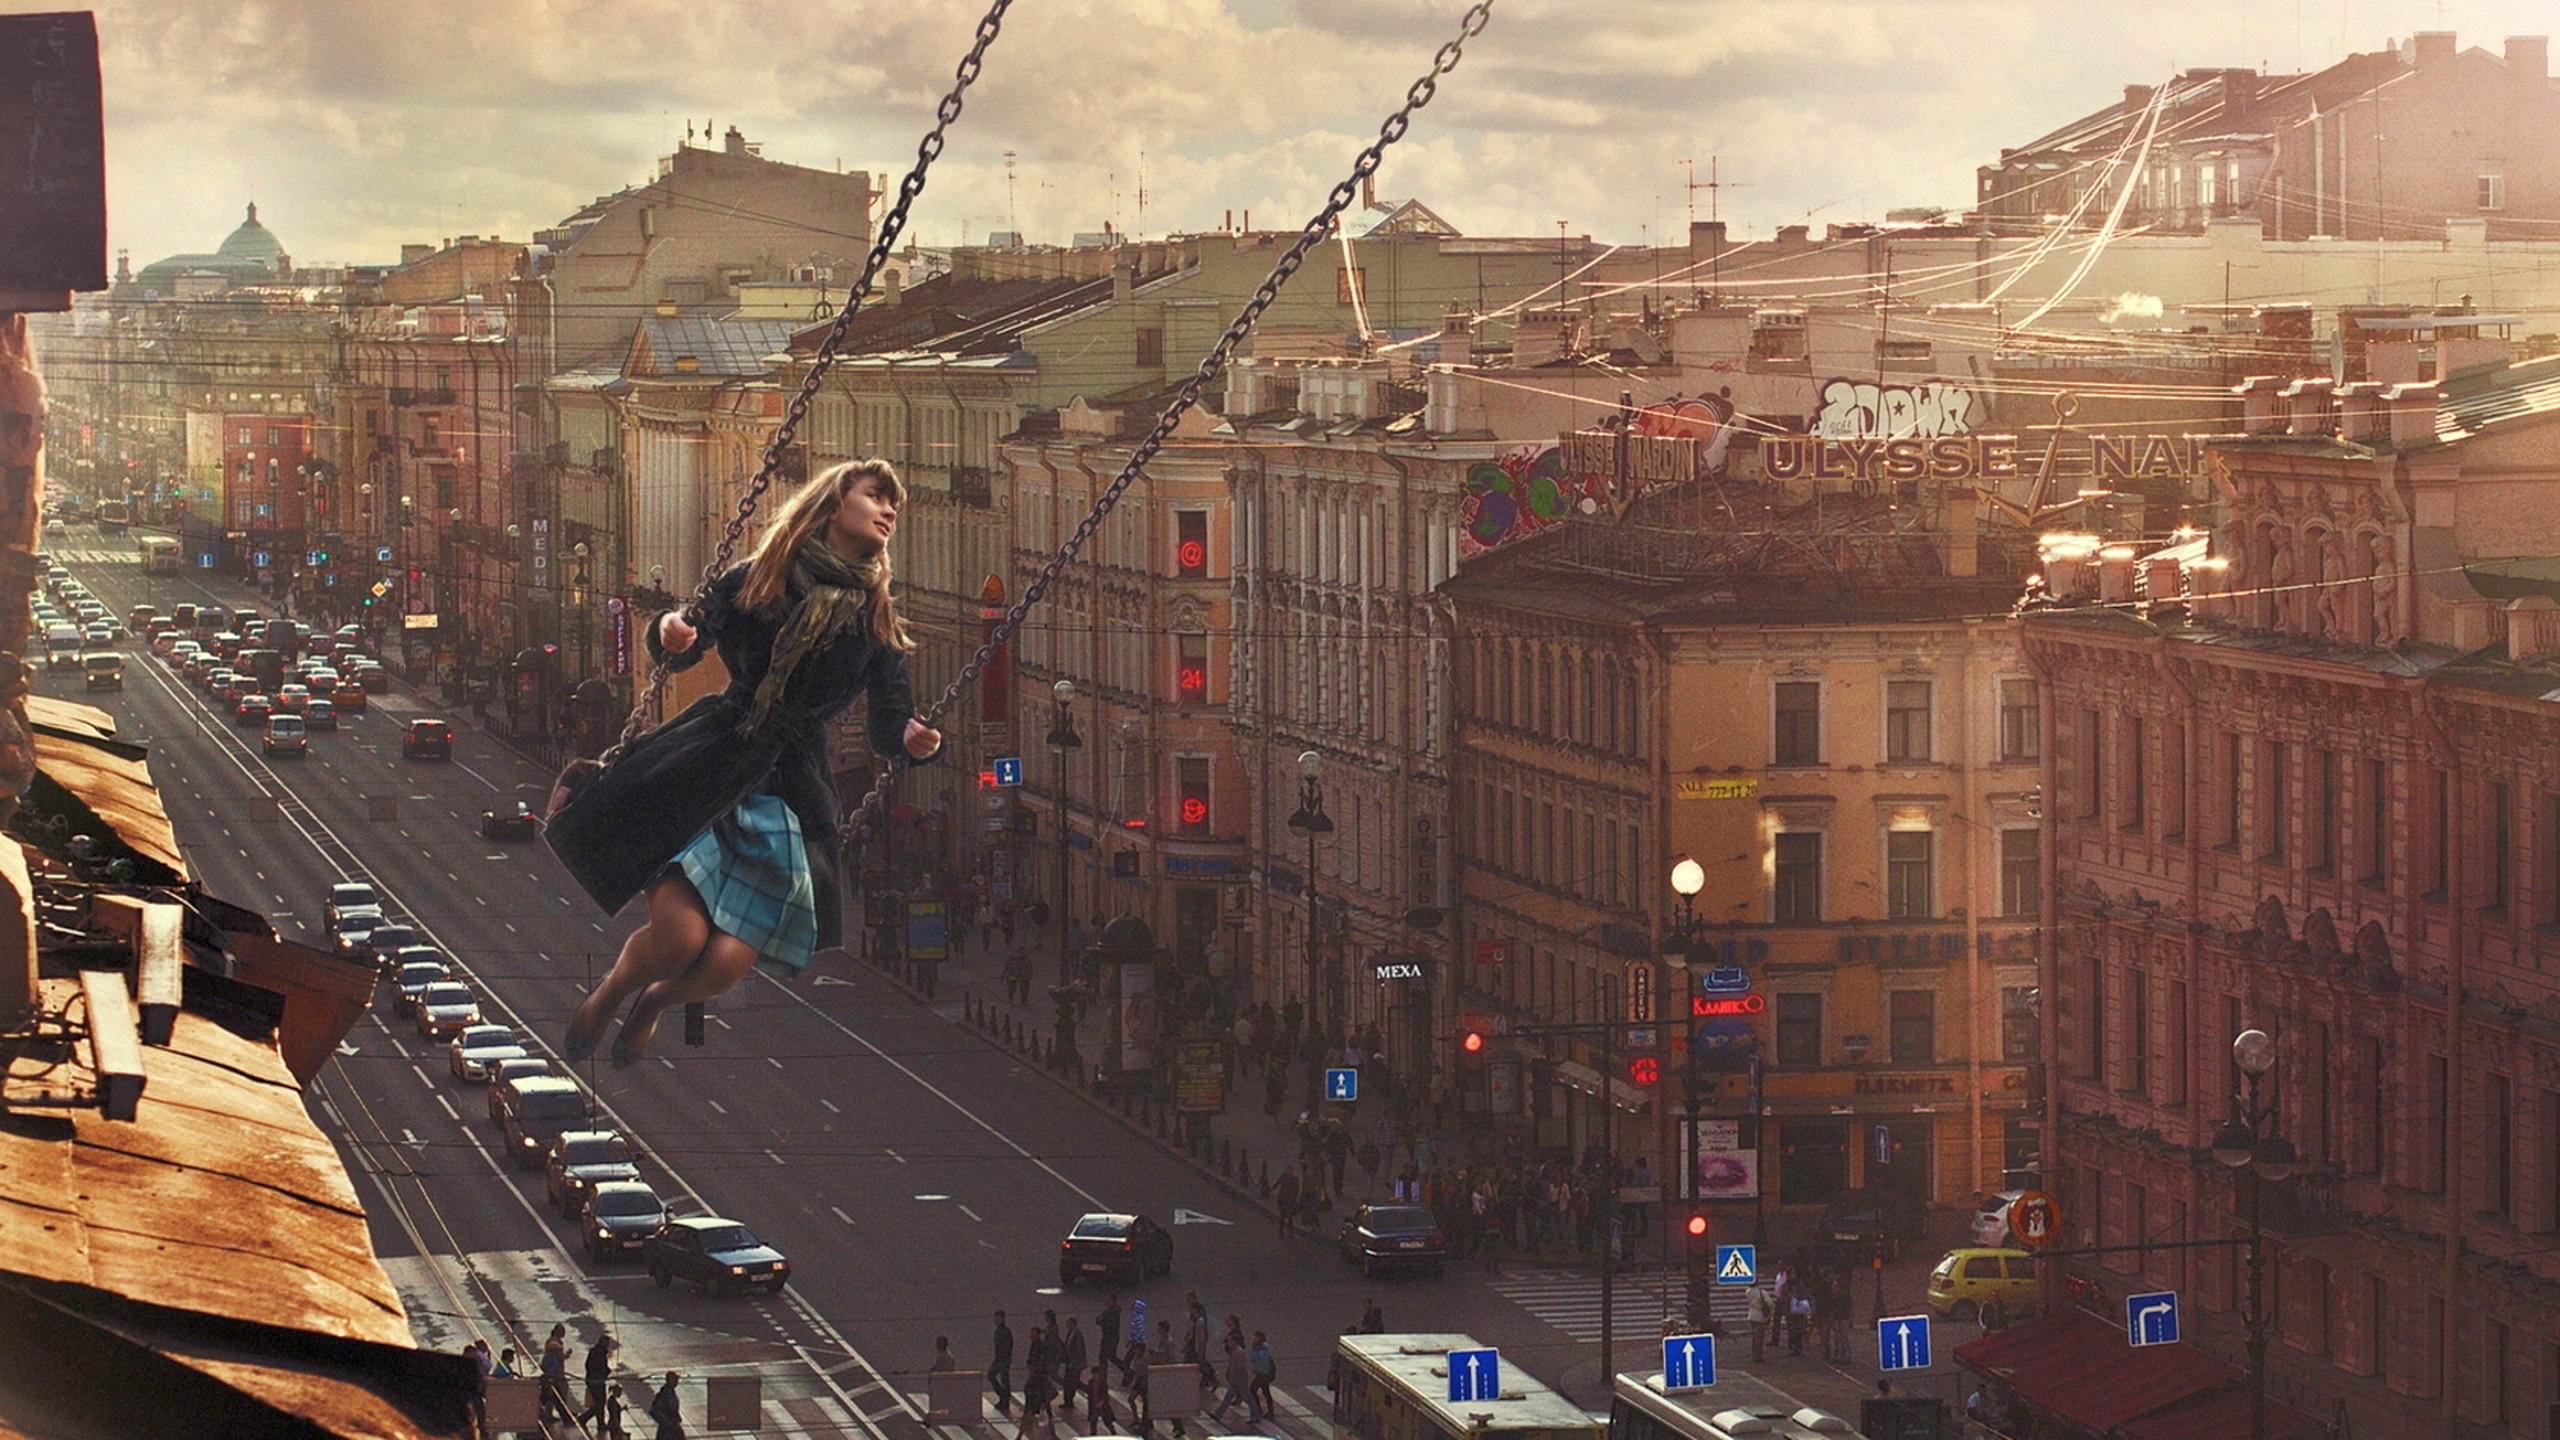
x,y
2246,1142
1688,877
1310,821
1063,736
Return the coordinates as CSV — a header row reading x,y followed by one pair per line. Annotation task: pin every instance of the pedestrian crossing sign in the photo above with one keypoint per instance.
x,y
1737,1265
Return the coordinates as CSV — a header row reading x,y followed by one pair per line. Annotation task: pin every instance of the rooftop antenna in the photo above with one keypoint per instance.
x,y
1715,187
1012,218
1140,232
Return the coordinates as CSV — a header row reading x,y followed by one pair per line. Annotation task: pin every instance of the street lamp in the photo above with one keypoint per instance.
x,y
1062,734
1310,821
2246,1142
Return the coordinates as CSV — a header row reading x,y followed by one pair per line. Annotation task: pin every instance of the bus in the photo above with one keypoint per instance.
x,y
114,515
1396,1387
160,555
1736,1405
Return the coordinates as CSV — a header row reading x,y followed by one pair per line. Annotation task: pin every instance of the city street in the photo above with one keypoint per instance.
x,y
917,1174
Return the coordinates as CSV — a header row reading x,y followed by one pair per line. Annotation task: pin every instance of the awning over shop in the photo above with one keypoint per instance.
x,y
2080,1369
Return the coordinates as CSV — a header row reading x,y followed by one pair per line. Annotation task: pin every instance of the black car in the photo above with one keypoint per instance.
x,y
583,1158
620,1217
427,740
509,820
1390,1237
1103,1246
1872,1222
715,1254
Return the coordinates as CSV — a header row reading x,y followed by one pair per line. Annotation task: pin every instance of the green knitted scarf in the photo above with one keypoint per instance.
x,y
835,596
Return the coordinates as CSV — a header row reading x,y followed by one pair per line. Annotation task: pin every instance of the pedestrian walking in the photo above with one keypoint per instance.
x,y
666,1409
1762,1309
943,1359
1106,1338
555,1374
1373,1319
505,1369
1239,1378
1072,1357
477,1352
599,1376
615,1407
1284,1196
1040,1382
1000,1369
1101,1417
1799,1320
1264,1369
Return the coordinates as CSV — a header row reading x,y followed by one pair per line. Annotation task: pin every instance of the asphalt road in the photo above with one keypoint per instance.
x,y
917,1177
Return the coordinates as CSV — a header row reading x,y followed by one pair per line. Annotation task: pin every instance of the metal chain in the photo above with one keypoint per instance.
x,y
1317,228
891,226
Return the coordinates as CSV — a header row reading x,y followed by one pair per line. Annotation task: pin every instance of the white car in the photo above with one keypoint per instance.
x,y
1991,1222
479,1047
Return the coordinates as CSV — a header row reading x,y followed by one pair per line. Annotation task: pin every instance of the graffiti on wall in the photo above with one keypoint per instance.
x,y
1528,488
1854,409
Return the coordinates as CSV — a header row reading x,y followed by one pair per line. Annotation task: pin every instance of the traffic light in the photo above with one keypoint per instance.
x,y
1697,1237
1471,1046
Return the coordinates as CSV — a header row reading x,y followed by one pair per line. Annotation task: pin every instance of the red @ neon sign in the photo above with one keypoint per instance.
x,y
1728,1005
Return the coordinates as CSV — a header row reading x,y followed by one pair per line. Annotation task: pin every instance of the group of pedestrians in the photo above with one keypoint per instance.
x,y
1804,1300
1065,1366
604,1415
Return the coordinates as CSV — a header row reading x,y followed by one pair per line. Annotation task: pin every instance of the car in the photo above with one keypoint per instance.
x,y
1391,1237
226,684
411,981
427,740
320,714
1991,1219
254,708
322,680
536,1110
714,1253
56,530
505,1071
509,820
115,629
286,736
350,895
96,634
349,633
350,695
290,698
141,616
199,668
1103,1245
478,1047
396,943
1967,1279
446,1009
1872,1221
227,643
102,671
620,1217
581,1158
352,930
181,651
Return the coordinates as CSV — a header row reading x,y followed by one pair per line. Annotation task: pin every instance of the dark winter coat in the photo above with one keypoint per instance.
x,y
639,815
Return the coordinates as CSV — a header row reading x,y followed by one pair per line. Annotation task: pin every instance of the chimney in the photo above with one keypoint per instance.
x,y
2528,60
1458,337
1963,545
2137,98
1794,235
1124,278
1706,237
2115,575
2262,407
2309,412
2364,414
2533,628
2164,580
2413,414
2433,49
735,142
893,285
412,254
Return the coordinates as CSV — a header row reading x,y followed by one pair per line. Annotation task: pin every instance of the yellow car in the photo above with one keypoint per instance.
x,y
1966,1279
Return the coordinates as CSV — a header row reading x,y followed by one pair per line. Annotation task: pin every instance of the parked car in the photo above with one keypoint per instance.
x,y
320,714
581,1158
1382,1238
1991,1221
446,1009
509,820
1102,1246
1871,1221
620,1217
411,981
427,740
715,1254
1967,1279
535,1111
506,1072
479,1047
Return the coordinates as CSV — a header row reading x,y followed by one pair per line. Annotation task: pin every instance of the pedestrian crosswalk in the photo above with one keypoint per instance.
x,y
122,555
1647,1303
1299,1412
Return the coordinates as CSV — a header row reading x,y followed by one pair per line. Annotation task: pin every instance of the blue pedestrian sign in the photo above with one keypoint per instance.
x,y
1009,770
2152,1319
1737,1265
1474,1375
1342,1084
1902,1342
1688,1362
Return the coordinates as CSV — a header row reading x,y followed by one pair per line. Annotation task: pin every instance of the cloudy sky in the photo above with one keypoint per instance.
x,y
359,124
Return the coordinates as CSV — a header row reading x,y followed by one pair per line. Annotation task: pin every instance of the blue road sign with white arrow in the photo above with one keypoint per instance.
x,y
1737,1265
2152,1319
1902,1342
1342,1084
1688,1362
1475,1375
1008,770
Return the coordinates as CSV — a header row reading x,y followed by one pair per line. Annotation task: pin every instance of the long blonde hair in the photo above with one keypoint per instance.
x,y
806,514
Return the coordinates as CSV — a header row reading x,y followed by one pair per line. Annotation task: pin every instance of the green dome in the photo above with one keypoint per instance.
x,y
253,241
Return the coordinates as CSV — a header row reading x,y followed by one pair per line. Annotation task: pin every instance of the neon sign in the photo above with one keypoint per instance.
x,y
1728,1005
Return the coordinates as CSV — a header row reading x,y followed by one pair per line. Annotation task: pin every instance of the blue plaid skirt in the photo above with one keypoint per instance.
x,y
754,879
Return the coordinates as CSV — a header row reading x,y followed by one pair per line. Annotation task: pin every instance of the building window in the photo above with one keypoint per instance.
x,y
1797,899
2097,1035
2137,1048
1914,1037
2022,873
2271,803
2324,819
2093,764
2231,790
2137,784
1906,721
1799,723
2021,1037
1191,544
1150,348
2173,782
1909,878
1799,1028
2501,847
2439,835
2181,1055
1191,670
2498,1148
2021,735
2493,190
2377,821
1191,794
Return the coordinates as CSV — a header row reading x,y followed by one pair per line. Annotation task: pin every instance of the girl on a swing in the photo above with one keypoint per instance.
x,y
726,817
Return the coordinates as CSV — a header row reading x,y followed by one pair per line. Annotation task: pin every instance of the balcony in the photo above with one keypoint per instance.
x,y
2310,1203
404,397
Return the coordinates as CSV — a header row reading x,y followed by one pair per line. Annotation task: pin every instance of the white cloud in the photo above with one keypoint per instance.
x,y
359,124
